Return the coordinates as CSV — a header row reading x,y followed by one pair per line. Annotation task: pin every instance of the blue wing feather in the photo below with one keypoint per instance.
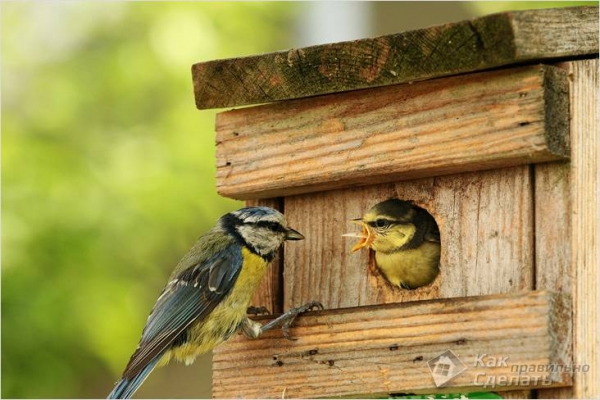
x,y
125,388
185,300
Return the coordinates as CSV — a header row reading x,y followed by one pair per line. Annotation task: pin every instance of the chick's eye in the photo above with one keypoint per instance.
x,y
381,223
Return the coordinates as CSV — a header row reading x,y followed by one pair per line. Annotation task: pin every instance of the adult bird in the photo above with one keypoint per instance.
x,y
208,294
406,241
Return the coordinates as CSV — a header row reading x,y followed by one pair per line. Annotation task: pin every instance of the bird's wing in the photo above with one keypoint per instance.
x,y
426,229
192,295
433,233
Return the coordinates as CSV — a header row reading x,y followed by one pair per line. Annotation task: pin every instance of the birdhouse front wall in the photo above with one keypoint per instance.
x,y
486,228
490,163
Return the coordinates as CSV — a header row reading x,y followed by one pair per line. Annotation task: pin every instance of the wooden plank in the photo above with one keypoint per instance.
x,y
553,268
541,33
567,228
552,227
450,49
270,291
584,239
487,218
385,349
468,123
486,225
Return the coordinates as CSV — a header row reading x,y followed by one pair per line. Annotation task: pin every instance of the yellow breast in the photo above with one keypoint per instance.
x,y
227,316
412,268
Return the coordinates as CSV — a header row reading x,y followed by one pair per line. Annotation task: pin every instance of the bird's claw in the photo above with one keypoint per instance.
x,y
292,313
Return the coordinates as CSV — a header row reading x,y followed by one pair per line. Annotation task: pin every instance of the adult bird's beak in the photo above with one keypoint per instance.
x,y
293,234
366,236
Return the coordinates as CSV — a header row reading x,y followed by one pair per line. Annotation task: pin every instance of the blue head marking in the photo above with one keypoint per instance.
x,y
255,214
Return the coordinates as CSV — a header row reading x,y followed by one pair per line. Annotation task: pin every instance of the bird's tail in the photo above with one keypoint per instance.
x,y
126,387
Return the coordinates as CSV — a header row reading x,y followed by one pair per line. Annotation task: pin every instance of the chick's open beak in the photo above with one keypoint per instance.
x,y
366,236
293,234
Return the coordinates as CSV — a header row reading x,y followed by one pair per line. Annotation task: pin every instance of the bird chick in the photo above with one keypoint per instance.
x,y
406,241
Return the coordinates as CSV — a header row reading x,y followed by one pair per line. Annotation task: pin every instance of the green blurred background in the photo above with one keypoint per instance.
x,y
108,170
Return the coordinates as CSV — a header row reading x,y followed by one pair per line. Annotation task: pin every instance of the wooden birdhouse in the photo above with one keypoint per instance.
x,y
491,126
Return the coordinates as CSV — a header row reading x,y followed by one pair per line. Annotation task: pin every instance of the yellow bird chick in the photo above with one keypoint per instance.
x,y
406,241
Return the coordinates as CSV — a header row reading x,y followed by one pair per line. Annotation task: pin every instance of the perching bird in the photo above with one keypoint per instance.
x,y
406,241
208,293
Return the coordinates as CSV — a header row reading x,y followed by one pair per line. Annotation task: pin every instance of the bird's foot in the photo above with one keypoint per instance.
x,y
286,319
292,313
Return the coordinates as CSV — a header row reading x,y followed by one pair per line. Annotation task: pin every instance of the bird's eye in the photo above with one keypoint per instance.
x,y
274,226
381,223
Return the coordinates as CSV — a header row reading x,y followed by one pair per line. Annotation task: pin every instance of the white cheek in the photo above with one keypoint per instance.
x,y
263,240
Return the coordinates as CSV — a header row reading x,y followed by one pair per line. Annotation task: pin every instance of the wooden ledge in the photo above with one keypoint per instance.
x,y
516,341
439,127
467,46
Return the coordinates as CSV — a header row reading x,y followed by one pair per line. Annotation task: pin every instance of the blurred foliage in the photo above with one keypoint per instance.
x,y
108,173
489,7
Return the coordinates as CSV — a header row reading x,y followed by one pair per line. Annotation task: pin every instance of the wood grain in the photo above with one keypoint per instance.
x,y
553,227
540,33
567,228
584,220
468,123
553,267
385,349
486,225
467,46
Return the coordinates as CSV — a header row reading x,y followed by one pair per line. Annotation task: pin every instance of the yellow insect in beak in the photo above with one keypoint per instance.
x,y
366,236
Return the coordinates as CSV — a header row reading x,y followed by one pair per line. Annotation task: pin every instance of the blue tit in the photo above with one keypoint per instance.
x,y
406,241
208,294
